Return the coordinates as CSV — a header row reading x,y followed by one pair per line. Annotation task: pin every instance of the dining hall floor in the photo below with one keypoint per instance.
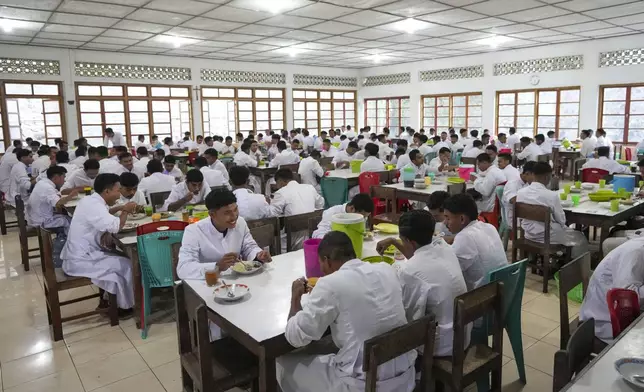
x,y
96,357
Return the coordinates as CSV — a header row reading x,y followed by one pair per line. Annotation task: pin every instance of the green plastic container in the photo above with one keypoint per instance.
x,y
576,294
355,165
352,225
378,259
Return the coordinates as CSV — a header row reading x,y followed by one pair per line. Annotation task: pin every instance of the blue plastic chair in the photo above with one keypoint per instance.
x,y
334,190
456,158
513,278
429,156
155,259
504,228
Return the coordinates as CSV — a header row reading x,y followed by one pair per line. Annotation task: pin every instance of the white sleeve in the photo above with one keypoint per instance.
x,y
523,154
316,316
317,169
557,209
319,200
189,266
174,196
465,252
278,204
433,166
630,274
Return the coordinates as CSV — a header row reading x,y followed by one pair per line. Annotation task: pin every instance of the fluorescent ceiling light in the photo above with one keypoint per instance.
x,y
291,51
376,58
275,6
8,25
176,41
494,41
410,25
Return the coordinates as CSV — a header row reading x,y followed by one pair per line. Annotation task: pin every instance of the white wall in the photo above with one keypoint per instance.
x,y
589,78
67,57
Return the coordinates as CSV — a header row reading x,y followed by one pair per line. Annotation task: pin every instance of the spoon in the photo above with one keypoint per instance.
x,y
228,292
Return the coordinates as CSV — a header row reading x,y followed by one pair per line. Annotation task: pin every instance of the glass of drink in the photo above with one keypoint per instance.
x,y
185,216
575,200
602,183
156,217
563,196
567,188
614,205
88,190
577,184
212,277
148,210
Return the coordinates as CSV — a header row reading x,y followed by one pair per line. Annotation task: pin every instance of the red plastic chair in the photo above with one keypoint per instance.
x,y
593,175
153,227
192,155
365,181
623,307
628,153
492,217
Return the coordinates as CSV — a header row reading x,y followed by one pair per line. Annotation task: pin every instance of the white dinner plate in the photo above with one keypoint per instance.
x,y
133,217
242,270
631,370
566,203
238,291
589,185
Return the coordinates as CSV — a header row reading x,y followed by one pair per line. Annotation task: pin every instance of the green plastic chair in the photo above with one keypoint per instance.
x,y
154,246
334,190
504,228
513,278
429,156
456,158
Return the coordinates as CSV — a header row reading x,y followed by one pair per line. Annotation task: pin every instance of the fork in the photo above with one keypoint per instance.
x,y
229,294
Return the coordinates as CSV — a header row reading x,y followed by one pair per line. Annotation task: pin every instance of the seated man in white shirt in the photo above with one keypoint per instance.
x,y
254,152
19,181
512,187
475,150
384,151
485,139
493,153
310,170
307,140
191,191
228,148
440,165
79,179
403,160
435,205
45,204
127,166
417,162
362,141
537,194
605,163
167,146
107,165
487,179
454,144
477,244
425,148
211,176
342,159
284,156
219,241
170,168
513,138
399,152
251,205
344,142
130,191
505,163
530,150
501,143
141,143
273,150
208,142
144,157
371,163
357,301
214,163
41,163
361,204
623,268
434,262
438,144
604,141
545,146
328,150
318,142
156,181
587,144
243,157
80,156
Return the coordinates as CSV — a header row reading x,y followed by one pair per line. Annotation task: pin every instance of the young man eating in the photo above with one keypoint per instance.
x,y
191,191
360,204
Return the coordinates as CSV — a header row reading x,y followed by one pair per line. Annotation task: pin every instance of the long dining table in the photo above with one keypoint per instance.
x,y
411,193
258,321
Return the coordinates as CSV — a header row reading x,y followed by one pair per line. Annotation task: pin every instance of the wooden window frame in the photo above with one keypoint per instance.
x,y
4,112
451,108
387,99
536,106
236,98
627,109
126,98
331,100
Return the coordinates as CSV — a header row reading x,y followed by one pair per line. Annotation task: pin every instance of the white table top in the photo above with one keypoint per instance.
x,y
586,206
270,294
343,173
442,186
601,374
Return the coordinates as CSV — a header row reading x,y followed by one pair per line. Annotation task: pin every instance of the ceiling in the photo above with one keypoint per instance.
x,y
330,33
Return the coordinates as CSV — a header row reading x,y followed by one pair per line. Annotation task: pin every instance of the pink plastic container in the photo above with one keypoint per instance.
x,y
311,263
464,171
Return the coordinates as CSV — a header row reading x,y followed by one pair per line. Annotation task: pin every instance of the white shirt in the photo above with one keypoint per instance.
x,y
41,204
317,144
336,139
142,165
363,142
243,159
222,169
217,145
6,165
307,141
344,144
77,179
325,224
138,198
434,164
511,173
622,268
512,140
372,164
426,149
479,250
79,161
180,190
272,152
108,166
40,164
203,246
546,146
536,193
473,152
308,170
510,191
357,302
213,177
19,184
436,265
485,184
285,157
588,147
403,161
331,152
156,182
530,153
437,147
294,199
251,205
227,149
174,173
342,156
135,169
384,150
421,170
611,166
166,149
117,140
142,144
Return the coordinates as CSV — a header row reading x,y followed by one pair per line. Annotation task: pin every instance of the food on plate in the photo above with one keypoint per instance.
x,y
246,266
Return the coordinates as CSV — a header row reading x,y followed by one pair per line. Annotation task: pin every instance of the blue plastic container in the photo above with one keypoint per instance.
x,y
623,181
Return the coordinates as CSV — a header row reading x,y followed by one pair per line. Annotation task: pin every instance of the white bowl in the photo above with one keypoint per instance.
x,y
631,370
589,185
420,186
566,203
239,291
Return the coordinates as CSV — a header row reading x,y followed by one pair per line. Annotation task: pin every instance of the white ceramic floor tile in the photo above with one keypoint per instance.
x,y
23,342
143,382
65,381
36,366
161,351
169,375
107,370
99,346
536,381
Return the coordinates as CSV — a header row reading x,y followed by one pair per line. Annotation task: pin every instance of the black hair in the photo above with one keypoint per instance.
x,y
229,138
336,246
485,135
200,162
586,132
159,153
483,157
120,149
239,175
412,153
212,152
444,150
109,130
462,204
528,167
22,152
91,164
315,154
62,157
437,199
43,150
284,174
17,143
220,198
640,163
124,155
400,151
55,171
603,151
424,138
492,148
353,145
417,226
167,140
281,145
207,139
453,136
362,202
550,133
525,139
360,137
142,151
275,136
129,180
402,143
540,138
102,151
343,137
141,137
512,130
474,133
477,144
91,150
105,181
245,147
154,166
507,157
501,134
541,168
170,159
194,175
372,149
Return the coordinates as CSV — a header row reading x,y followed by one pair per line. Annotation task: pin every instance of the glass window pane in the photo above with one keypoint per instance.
x,y
325,94
112,91
160,106
261,116
474,122
311,114
277,115
139,117
635,122
261,93
179,92
371,104
458,111
569,122
52,119
161,117
159,129
88,131
612,121
244,93
547,97
506,121
143,129
506,99
548,109
261,106
245,105
475,111
350,115
637,107
90,118
566,109
615,94
138,106
349,95
299,105
210,92
18,88
137,91
637,93
93,91
615,134
506,110
277,105
90,106
299,115
311,94
113,106
475,99
430,101
54,132
614,107
311,106
546,121
458,101
226,92
51,106
298,94
246,116
338,95
276,94
117,118
635,135
569,96
524,122
523,110
245,125
160,91
525,97
45,89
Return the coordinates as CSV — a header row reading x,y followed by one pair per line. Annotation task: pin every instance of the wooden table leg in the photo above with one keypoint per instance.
x,y
267,374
